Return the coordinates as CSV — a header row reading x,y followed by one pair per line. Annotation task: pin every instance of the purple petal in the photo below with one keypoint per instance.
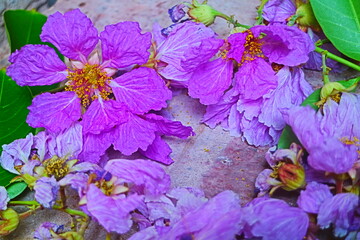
x,y
291,91
112,213
237,46
43,231
338,210
261,181
55,112
68,143
285,45
35,65
170,128
41,145
255,79
102,116
147,174
159,151
313,196
256,133
210,80
141,90
46,190
16,153
218,112
277,11
134,134
176,13
4,198
77,181
72,33
188,45
123,45
95,146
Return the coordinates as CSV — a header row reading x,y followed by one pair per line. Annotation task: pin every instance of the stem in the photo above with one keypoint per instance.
x,y
231,20
325,69
108,236
28,213
63,197
71,211
259,18
338,59
339,185
84,226
28,203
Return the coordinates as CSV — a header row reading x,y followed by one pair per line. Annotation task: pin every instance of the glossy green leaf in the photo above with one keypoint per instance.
x,y
15,189
340,21
24,27
14,101
5,177
312,99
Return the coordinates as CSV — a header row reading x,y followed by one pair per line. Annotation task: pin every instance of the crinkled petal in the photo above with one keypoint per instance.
x,y
210,80
41,145
140,172
102,116
46,190
72,33
123,45
170,128
159,151
218,112
112,213
176,13
28,168
261,181
339,211
255,79
68,143
54,112
16,153
141,90
256,133
291,91
219,218
313,196
95,145
188,45
35,65
277,11
285,45
77,181
4,198
134,134
237,46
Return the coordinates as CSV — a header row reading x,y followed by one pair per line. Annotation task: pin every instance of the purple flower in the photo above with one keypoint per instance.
x,y
278,11
192,217
339,211
331,132
313,196
4,198
111,195
46,191
274,219
112,110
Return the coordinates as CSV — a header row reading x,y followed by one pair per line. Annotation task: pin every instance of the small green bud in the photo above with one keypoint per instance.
x,y
202,13
306,17
9,220
292,176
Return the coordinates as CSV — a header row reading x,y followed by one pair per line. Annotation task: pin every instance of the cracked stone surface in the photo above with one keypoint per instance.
x,y
211,160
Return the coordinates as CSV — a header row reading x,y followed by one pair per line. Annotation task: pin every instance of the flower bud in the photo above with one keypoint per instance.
x,y
9,220
202,13
292,176
306,17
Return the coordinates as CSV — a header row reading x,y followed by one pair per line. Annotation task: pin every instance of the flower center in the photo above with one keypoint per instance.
x,y
56,167
252,48
89,83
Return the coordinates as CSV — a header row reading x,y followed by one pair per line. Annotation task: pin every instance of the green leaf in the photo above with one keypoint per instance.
x,y
287,137
5,177
312,99
15,189
340,21
24,27
14,101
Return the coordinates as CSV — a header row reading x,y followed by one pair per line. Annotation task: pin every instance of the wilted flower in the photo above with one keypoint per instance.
x,y
313,196
47,230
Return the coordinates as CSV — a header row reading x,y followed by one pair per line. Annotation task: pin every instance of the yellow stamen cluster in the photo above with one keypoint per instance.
x,y
56,167
353,141
105,186
252,48
88,83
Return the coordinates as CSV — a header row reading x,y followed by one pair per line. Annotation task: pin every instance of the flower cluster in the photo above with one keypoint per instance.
x,y
112,87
